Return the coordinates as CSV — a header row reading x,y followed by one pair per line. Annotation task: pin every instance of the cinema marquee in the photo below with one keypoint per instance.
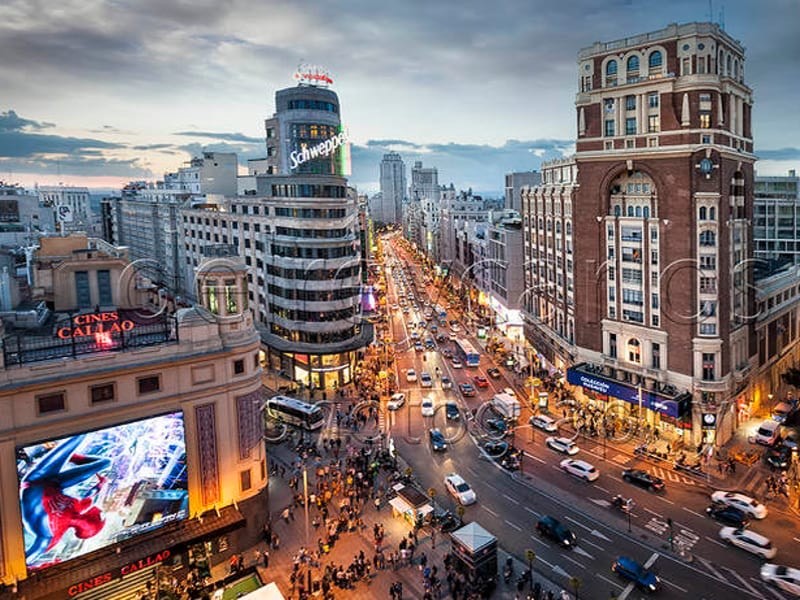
x,y
98,325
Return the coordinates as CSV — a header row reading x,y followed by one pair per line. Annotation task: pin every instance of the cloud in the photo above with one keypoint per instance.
x,y
10,121
148,147
779,154
228,137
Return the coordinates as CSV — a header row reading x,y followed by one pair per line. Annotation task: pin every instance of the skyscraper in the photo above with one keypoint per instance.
x,y
393,189
425,191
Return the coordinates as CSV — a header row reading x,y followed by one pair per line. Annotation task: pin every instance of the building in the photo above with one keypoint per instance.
x,y
662,284
425,189
211,173
506,290
393,189
72,206
514,184
776,218
461,212
23,217
140,420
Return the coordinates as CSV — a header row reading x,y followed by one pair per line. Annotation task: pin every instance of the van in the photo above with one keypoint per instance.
x,y
768,433
508,406
781,411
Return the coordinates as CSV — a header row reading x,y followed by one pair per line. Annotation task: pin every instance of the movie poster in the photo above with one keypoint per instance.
x,y
84,492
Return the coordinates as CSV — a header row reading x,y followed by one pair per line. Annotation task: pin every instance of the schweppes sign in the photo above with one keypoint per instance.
x,y
97,325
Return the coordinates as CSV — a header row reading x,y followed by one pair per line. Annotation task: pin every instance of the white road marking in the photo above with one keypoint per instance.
x,y
593,545
560,571
698,514
514,525
602,488
653,512
530,510
676,586
769,589
529,455
594,532
490,511
607,580
582,552
651,560
624,594
536,539
711,568
510,499
749,587
665,500
573,561
796,539
717,542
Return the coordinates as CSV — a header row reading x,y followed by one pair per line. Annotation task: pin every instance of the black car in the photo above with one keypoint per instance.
x,y
552,528
497,449
494,373
438,443
643,479
778,457
729,515
496,426
445,521
451,411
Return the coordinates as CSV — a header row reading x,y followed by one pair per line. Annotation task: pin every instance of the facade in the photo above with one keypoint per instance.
x,y
393,189
514,184
211,173
776,218
461,212
162,406
506,290
23,217
71,204
661,228
425,189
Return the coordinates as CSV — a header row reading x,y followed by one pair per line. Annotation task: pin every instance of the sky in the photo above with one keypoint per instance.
x,y
101,92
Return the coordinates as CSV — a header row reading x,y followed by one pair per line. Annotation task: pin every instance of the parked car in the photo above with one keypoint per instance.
x,y
451,411
481,381
783,578
778,457
460,489
494,372
436,438
443,338
580,469
729,515
643,479
563,445
552,528
768,432
429,344
753,542
630,570
396,401
744,503
427,407
496,448
467,389
444,520
544,422
411,375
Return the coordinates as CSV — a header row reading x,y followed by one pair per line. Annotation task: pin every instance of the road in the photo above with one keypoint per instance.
x,y
509,505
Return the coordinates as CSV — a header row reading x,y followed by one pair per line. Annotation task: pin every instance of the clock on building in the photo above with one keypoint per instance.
x,y
706,166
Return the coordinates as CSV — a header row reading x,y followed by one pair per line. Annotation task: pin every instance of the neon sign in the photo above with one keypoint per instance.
x,y
313,75
100,325
298,157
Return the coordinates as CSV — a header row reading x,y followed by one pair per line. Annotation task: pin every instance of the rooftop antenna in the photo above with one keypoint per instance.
x,y
710,11
722,18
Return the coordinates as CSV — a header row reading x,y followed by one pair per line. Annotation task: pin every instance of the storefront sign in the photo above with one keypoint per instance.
x,y
543,399
298,157
99,325
108,576
709,420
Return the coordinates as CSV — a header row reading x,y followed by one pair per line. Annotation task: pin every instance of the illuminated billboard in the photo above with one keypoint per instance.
x,y
84,492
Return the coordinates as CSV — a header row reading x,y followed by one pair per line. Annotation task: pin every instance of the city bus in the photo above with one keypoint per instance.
x,y
466,353
295,412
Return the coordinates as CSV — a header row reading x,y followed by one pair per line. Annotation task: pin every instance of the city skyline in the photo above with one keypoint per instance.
x,y
101,94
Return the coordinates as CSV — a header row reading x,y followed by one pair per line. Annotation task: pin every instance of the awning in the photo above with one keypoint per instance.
x,y
400,505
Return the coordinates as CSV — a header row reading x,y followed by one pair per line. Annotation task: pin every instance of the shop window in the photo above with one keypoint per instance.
x,y
50,403
634,351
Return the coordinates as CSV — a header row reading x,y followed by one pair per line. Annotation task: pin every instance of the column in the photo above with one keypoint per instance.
x,y
731,113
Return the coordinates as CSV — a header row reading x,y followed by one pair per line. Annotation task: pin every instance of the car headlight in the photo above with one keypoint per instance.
x,y
652,587
566,542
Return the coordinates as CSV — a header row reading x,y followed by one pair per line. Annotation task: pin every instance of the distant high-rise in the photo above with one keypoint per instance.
x,y
393,189
425,190
776,218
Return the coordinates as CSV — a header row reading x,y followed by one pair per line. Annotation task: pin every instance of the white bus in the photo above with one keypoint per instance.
x,y
295,412
466,353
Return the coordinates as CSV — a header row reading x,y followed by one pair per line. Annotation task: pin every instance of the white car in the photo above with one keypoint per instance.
x,y
447,383
454,327
411,375
753,542
427,407
510,392
744,503
396,401
784,578
563,445
460,489
425,379
457,364
544,422
580,469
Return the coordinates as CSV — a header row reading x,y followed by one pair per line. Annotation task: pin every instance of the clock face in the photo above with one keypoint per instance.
x,y
709,418
706,165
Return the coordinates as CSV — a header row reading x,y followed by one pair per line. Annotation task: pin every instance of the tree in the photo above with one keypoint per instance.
x,y
576,583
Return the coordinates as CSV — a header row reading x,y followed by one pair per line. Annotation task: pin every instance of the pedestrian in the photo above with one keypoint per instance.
x,y
265,559
285,514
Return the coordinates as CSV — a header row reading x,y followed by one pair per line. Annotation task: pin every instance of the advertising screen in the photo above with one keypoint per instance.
x,y
84,492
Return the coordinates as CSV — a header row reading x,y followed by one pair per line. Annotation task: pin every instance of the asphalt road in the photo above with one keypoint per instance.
x,y
509,505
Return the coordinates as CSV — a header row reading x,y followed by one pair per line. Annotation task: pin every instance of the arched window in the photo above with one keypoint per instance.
x,y
568,228
617,210
633,65
634,351
736,69
728,69
702,213
708,238
712,214
630,211
638,211
720,63
655,61
558,227
611,73
646,212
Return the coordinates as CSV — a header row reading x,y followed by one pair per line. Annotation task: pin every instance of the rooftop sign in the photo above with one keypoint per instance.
x,y
313,75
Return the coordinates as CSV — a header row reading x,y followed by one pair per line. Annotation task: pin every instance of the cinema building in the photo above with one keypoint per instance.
x,y
130,429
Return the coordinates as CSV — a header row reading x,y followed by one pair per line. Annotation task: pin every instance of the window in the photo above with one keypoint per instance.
x,y
612,345
706,139
612,296
632,296
83,294
655,62
708,308
49,403
653,124
631,255
703,213
630,102
104,288
256,361
655,355
708,329
708,261
708,366
631,275
611,72
630,126
148,385
708,285
652,100
102,393
654,302
270,132
633,68
608,103
654,257
634,351
238,367
244,478
705,120
609,128
708,238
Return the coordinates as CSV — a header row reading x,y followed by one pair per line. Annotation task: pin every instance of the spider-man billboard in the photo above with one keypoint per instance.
x,y
84,492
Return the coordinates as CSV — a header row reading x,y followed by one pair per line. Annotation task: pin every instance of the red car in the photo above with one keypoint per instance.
x,y
481,381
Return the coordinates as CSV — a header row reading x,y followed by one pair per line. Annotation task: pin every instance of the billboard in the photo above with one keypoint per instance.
x,y
84,492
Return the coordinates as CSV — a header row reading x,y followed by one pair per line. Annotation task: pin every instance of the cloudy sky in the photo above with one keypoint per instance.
x,y
99,92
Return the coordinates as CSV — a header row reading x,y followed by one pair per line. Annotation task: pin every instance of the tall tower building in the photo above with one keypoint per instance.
x,y
425,190
393,189
661,228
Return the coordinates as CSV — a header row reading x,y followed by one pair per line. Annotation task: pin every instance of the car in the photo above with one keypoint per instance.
x,y
782,577
494,373
632,571
447,383
427,407
643,479
467,389
406,310
563,445
396,401
452,336
753,542
729,515
481,381
778,457
443,338
411,375
553,529
457,364
425,379
454,327
434,329
418,347
544,423
744,503
395,307
580,469
496,448
429,344
445,521
415,336
451,411
460,489
497,426
436,438
768,433
510,391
